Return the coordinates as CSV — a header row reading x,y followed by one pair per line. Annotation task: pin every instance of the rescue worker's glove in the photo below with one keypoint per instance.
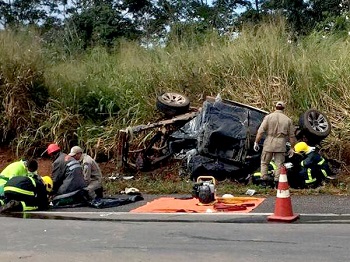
x,y
256,147
290,153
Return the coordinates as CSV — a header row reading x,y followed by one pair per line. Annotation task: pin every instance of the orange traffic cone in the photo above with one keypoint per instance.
x,y
283,206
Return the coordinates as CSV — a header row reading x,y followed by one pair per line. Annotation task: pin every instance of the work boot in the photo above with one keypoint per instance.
x,y
266,181
11,206
266,178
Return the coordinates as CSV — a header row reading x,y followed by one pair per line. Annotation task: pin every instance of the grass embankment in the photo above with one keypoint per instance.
x,y
168,181
85,99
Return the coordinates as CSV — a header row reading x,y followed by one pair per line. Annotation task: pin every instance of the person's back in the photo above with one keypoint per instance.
x,y
18,168
92,176
315,168
58,170
14,169
30,193
73,177
278,128
67,174
91,171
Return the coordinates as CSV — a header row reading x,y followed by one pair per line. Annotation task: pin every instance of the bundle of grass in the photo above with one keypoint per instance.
x,y
22,91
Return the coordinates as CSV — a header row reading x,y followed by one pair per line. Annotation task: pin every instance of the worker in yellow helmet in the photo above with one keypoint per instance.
x,y
314,168
22,193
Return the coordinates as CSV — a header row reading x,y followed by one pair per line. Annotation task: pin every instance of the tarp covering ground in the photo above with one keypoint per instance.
x,y
192,205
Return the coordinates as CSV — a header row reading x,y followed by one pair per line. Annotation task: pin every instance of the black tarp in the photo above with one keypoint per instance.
x,y
223,135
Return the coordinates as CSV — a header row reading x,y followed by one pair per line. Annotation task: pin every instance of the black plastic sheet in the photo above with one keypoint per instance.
x,y
223,135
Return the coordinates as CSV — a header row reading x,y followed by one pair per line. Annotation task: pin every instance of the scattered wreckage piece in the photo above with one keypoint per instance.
x,y
172,104
314,126
150,150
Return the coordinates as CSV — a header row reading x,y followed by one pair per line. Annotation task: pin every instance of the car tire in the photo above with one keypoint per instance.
x,y
315,123
172,104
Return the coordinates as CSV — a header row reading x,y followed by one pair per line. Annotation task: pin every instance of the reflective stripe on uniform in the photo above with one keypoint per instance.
x,y
257,174
324,172
321,162
2,202
73,165
4,178
33,181
274,166
28,208
310,179
18,190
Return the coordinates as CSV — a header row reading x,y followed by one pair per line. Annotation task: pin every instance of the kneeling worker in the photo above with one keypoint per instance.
x,y
26,194
91,171
18,168
67,173
314,168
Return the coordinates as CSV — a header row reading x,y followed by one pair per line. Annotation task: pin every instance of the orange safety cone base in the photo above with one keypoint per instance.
x,y
283,205
283,218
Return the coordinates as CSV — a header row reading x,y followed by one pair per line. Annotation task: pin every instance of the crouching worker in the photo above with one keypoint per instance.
x,y
23,193
18,168
68,179
67,174
314,168
91,171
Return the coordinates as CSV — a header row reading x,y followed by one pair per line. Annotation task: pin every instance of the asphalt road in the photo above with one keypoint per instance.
x,y
310,204
34,240
322,233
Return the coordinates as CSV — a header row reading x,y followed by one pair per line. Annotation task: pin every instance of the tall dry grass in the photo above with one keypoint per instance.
x,y
101,91
22,87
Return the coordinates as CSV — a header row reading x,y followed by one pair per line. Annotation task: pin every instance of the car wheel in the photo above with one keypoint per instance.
x,y
172,104
315,123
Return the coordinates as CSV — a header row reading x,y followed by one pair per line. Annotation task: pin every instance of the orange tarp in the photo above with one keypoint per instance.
x,y
173,205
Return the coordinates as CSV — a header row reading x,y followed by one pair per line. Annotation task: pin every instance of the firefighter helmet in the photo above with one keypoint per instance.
x,y
301,147
48,183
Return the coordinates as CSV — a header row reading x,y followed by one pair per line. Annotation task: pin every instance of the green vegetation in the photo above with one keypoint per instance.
x,y
171,183
87,98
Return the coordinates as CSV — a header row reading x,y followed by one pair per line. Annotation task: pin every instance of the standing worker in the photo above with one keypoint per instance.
x,y
91,170
279,129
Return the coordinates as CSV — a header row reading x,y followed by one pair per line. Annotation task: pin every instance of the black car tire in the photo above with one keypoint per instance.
x,y
315,123
172,104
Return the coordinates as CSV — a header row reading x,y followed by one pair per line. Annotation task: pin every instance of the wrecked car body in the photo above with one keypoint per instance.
x,y
216,140
224,133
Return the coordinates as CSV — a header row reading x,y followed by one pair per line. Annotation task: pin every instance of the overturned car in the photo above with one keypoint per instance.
x,y
216,140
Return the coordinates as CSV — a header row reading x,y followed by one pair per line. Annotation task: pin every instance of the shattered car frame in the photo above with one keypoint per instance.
x,y
143,147
216,140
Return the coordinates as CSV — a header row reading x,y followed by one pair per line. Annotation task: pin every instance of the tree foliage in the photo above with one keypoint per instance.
x,y
103,22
